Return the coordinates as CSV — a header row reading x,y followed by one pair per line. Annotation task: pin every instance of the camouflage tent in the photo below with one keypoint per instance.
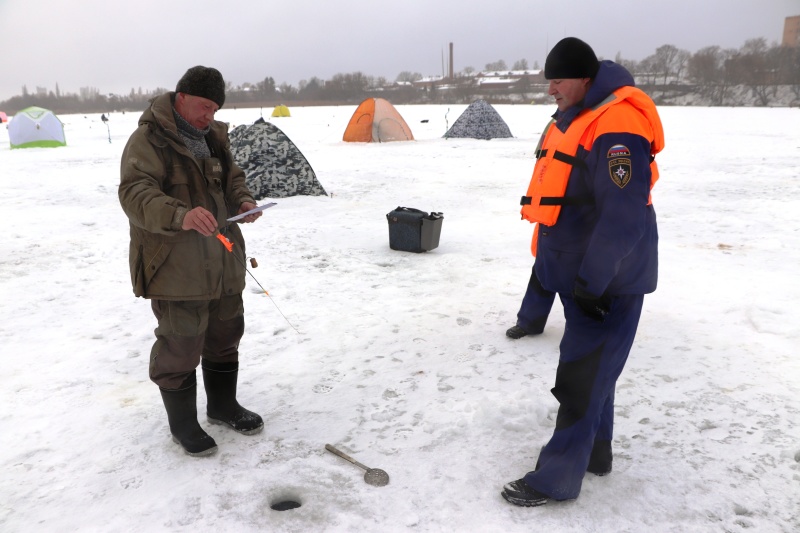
x,y
273,166
479,121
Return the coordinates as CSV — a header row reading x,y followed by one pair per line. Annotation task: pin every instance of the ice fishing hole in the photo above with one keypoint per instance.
x,y
284,505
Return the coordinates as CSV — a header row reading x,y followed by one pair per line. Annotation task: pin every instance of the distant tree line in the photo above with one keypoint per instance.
x,y
712,72
88,100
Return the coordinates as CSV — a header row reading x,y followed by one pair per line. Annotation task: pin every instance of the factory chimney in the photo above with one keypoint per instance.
x,y
450,70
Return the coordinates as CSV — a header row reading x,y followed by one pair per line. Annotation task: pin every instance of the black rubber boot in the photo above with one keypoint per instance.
x,y
181,405
220,381
516,332
601,458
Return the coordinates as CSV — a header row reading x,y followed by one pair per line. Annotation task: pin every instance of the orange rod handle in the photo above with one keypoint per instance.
x,y
225,242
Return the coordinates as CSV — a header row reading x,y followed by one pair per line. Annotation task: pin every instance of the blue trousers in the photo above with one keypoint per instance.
x,y
592,356
536,305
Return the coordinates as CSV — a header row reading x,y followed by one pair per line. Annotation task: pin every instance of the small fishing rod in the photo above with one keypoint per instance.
x,y
228,244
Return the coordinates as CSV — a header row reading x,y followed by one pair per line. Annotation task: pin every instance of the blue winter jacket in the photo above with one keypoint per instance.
x,y
611,243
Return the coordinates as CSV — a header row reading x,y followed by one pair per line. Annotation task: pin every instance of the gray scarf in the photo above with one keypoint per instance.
x,y
193,138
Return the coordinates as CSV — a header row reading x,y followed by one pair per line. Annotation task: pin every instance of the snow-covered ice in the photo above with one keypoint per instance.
x,y
400,359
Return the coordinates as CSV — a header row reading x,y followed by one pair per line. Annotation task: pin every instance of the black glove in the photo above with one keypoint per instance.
x,y
596,307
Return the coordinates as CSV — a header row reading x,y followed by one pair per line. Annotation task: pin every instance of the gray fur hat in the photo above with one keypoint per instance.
x,y
205,82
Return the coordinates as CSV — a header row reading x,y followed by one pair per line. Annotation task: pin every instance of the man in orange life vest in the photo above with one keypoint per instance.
x,y
596,246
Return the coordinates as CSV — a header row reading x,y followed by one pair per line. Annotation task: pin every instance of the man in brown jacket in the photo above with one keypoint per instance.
x,y
178,187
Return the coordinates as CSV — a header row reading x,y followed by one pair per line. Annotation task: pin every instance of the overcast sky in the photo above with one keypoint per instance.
x,y
114,46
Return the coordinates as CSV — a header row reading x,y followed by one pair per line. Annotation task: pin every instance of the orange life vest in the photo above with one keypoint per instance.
x,y
556,153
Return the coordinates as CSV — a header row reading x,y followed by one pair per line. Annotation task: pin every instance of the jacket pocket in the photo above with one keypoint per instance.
x,y
177,185
152,262
137,273
557,269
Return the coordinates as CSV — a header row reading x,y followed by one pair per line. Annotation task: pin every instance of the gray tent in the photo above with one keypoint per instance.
x,y
479,121
273,166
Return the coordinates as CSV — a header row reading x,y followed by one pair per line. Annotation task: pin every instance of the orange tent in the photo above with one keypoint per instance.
x,y
376,120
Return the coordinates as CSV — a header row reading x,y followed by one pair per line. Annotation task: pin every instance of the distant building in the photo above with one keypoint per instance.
x,y
429,83
486,81
791,31
509,79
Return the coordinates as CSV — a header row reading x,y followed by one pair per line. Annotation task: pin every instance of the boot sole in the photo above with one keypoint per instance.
x,y
523,502
242,431
203,453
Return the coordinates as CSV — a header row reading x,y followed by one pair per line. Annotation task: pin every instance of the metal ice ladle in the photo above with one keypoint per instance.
x,y
373,476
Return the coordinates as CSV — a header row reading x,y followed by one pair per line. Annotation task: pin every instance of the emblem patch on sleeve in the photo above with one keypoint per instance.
x,y
620,170
619,164
618,150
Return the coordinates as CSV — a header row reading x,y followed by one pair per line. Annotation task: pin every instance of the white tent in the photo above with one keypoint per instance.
x,y
36,127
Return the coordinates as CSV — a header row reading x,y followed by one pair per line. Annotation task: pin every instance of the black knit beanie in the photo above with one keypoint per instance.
x,y
205,82
571,58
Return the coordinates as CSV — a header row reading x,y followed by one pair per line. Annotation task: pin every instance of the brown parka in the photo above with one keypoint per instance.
x,y
160,181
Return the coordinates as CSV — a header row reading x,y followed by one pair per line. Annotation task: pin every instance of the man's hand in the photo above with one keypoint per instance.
x,y
595,307
247,206
201,220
